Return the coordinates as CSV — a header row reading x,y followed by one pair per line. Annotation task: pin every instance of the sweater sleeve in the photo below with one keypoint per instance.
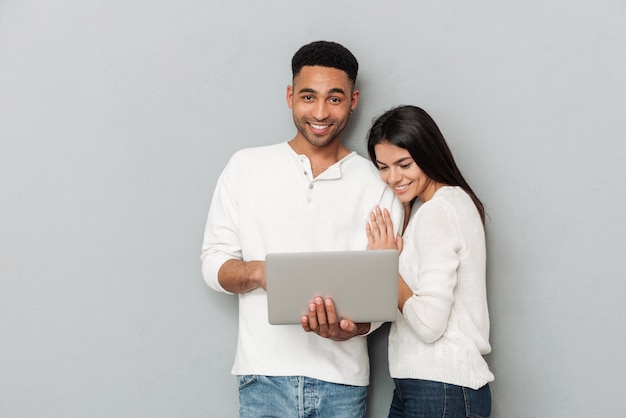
x,y
437,247
221,234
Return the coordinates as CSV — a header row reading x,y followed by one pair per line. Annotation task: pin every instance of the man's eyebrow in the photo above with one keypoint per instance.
x,y
337,90
331,91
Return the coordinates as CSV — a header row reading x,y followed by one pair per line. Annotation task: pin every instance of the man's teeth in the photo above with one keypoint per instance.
x,y
319,127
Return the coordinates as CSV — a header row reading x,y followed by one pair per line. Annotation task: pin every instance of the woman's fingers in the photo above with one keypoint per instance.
x,y
379,230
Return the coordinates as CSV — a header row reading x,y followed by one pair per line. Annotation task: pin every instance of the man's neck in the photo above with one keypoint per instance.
x,y
320,157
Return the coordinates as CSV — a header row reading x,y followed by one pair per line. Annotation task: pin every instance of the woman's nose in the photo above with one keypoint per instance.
x,y
393,176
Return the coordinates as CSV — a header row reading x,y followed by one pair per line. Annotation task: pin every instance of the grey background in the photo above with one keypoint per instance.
x,y
116,118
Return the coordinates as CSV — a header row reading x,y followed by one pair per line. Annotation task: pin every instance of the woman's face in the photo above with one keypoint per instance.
x,y
398,169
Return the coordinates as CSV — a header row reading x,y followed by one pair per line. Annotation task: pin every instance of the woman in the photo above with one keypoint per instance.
x,y
437,343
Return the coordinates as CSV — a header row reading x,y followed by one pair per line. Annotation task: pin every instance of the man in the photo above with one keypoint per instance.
x,y
307,194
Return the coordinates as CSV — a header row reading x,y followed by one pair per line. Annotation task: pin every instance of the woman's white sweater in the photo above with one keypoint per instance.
x,y
443,331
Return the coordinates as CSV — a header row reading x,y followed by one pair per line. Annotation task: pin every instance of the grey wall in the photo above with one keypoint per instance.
x,y
116,118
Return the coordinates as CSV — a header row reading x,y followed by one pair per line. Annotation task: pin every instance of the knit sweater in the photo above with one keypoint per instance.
x,y
443,331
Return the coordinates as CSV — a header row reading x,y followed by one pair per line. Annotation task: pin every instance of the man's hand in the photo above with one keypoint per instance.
x,y
322,320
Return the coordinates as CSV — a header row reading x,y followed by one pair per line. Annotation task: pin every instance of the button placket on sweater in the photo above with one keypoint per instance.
x,y
308,174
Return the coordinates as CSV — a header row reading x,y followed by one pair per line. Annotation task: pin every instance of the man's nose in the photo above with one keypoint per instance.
x,y
320,111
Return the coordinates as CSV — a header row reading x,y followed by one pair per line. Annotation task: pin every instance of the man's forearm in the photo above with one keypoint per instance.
x,y
238,276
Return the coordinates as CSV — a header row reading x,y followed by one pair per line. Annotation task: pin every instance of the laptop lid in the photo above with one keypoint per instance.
x,y
363,284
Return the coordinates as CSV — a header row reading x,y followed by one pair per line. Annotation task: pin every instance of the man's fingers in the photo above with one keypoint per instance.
x,y
347,326
313,325
322,321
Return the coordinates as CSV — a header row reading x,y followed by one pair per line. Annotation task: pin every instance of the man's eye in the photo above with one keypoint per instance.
x,y
335,100
308,98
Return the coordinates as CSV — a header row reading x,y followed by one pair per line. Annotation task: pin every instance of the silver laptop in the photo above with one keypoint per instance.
x,y
363,284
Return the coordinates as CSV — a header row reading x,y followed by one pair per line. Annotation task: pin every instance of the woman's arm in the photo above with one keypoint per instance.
x,y
436,247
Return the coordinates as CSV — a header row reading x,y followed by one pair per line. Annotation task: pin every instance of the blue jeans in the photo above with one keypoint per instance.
x,y
298,396
427,399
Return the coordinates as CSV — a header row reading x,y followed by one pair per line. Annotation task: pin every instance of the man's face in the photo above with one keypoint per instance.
x,y
321,99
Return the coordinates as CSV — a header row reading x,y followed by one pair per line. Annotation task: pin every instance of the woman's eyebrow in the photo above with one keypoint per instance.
x,y
401,160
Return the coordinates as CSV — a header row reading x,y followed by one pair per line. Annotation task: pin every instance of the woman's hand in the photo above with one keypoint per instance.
x,y
379,230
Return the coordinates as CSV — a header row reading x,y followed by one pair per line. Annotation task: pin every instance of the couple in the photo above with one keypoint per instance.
x,y
313,194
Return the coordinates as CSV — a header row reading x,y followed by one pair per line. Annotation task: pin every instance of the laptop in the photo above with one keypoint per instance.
x,y
363,284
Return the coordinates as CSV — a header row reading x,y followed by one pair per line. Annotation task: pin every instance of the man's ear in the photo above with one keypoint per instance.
x,y
355,99
290,97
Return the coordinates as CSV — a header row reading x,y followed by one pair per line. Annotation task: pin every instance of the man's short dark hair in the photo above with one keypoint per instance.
x,y
325,54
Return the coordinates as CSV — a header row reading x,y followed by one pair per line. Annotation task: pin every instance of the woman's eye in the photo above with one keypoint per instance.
x,y
405,165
